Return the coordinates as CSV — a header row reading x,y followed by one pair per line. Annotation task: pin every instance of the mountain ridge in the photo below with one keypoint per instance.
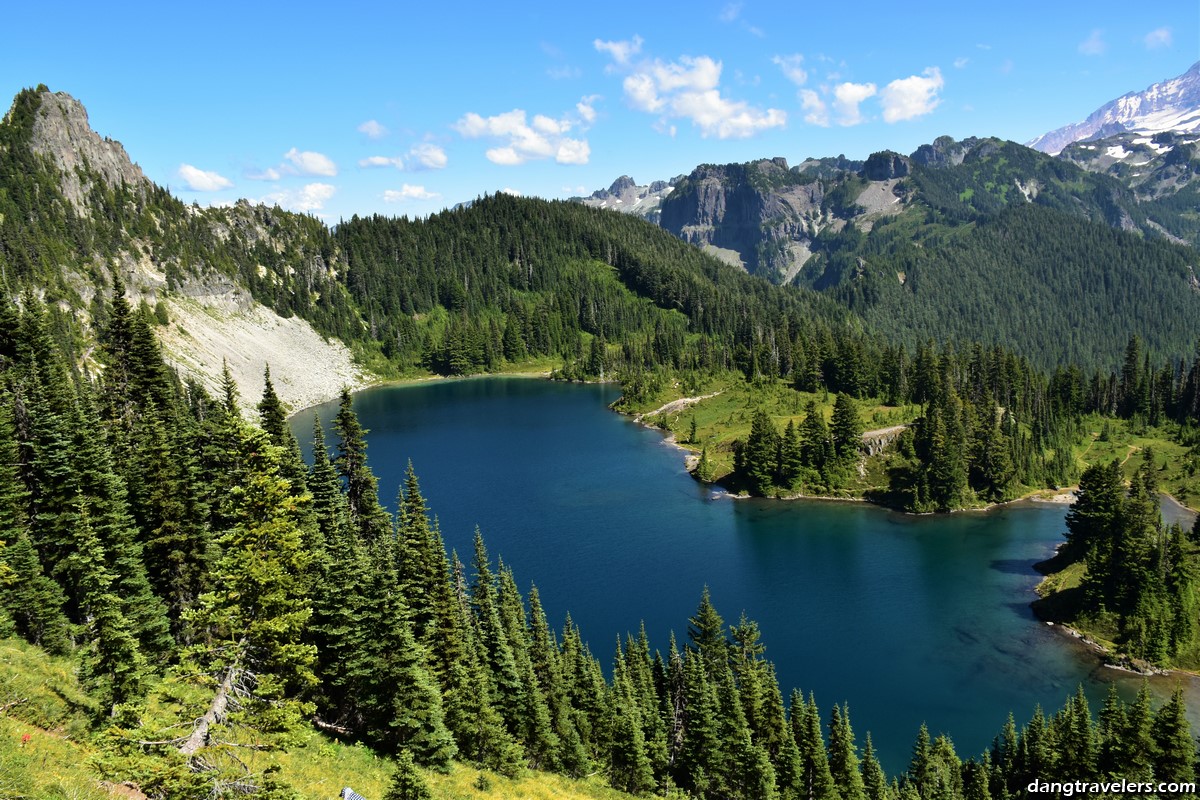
x,y
95,216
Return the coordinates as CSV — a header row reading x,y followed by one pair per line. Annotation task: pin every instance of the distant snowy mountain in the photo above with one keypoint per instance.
x,y
626,196
1172,105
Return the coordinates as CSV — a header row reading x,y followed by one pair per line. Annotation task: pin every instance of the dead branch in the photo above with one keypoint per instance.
x,y
4,708
215,714
329,726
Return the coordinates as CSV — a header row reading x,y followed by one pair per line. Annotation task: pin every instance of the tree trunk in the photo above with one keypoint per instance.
x,y
215,713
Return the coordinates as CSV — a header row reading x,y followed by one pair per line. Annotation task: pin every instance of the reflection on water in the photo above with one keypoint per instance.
x,y
908,619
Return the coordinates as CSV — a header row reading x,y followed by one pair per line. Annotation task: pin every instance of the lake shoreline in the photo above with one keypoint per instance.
x,y
419,380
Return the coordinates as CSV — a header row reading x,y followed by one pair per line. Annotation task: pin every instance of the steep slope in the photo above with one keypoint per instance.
x,y
76,214
1171,105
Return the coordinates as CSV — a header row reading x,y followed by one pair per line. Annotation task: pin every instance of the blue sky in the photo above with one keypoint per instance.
x,y
401,108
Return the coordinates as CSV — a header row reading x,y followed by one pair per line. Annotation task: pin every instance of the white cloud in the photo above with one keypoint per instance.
x,y
428,156
307,162
1094,45
505,156
961,62
311,197
381,161
1158,38
268,174
563,72
642,93
621,51
791,68
422,156
587,108
846,100
573,151
199,180
372,129
724,118
730,12
689,89
513,192
524,140
408,192
691,74
911,97
818,111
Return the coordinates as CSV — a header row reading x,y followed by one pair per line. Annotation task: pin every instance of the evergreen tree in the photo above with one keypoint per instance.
x,y
706,630
34,602
541,742
629,764
816,780
845,428
701,757
843,756
401,702
1138,738
815,446
509,693
873,779
407,782
112,661
251,626
791,458
328,502
760,454
272,418
365,515
1174,747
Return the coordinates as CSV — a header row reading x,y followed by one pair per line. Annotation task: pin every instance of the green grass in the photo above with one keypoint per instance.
x,y
726,417
46,704
1178,470
62,759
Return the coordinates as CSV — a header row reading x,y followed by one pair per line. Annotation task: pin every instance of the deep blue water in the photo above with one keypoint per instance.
x,y
908,619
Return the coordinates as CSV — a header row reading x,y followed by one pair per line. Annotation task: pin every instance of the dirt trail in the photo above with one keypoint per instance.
x,y
675,405
1133,448
883,431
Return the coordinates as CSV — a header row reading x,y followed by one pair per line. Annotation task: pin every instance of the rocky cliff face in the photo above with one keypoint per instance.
x,y
761,215
62,133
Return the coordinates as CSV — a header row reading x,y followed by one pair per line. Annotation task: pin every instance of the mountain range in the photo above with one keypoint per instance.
x,y
1058,258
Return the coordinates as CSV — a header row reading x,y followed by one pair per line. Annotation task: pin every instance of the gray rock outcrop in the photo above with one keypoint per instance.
x,y
62,133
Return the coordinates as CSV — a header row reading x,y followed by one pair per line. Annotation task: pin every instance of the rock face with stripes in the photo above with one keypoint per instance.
x,y
875,441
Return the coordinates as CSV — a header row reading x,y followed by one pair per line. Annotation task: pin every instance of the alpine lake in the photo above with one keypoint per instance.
x,y
908,619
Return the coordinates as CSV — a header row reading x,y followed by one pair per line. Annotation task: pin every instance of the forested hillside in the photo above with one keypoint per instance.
x,y
1015,248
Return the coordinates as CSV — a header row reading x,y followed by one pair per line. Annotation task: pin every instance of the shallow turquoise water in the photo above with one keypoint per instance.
x,y
908,619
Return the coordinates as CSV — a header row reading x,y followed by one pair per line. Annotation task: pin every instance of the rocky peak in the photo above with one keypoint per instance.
x,y
61,132
886,165
943,152
627,197
621,185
